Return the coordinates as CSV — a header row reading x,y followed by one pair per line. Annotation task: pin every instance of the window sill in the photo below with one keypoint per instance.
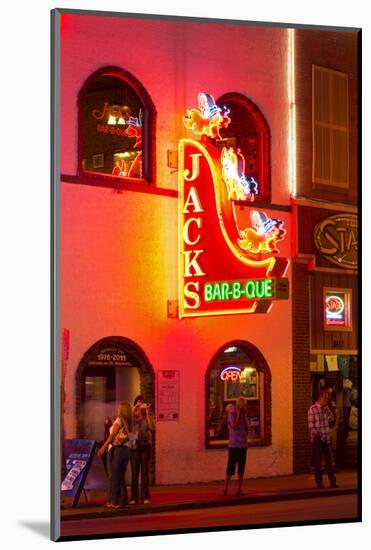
x,y
118,183
258,442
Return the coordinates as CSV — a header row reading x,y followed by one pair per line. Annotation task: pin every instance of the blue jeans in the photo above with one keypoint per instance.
x,y
321,449
119,458
140,461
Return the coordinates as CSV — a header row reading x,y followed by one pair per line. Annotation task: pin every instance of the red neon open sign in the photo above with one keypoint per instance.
x,y
230,374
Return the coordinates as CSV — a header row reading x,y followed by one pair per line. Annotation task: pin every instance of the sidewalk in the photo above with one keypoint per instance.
x,y
166,498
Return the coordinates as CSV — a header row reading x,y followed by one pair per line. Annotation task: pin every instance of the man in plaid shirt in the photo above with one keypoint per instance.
x,y
319,417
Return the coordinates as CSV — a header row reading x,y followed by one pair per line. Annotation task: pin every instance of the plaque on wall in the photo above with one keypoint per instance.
x,y
336,239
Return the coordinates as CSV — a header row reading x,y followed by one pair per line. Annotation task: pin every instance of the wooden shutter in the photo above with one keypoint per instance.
x,y
330,127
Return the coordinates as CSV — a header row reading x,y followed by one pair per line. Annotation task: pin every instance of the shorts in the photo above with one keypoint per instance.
x,y
236,456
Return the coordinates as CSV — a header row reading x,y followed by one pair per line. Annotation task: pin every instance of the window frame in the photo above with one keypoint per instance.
x,y
262,126
331,127
265,395
149,135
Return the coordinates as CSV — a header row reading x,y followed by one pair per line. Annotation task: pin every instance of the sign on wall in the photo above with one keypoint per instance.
x,y
168,395
336,239
229,256
337,308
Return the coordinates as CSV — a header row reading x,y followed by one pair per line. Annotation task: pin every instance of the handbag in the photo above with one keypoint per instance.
x,y
121,437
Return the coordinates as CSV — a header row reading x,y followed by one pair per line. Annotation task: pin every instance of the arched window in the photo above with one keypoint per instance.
x,y
249,132
116,128
238,369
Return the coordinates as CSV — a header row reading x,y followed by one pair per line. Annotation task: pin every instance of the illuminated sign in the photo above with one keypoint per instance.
x,y
229,256
336,238
230,374
337,309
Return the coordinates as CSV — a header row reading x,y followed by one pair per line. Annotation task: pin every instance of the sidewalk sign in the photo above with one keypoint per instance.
x,y
78,454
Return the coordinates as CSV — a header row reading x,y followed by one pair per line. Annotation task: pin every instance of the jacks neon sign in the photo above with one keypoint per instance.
x,y
228,260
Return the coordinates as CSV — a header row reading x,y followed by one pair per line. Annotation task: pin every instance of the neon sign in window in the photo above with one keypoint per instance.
x,y
337,305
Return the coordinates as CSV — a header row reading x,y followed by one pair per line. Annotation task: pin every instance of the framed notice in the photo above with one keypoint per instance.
x,y
168,395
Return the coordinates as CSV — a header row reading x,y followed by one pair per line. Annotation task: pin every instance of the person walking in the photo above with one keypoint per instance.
x,y
119,454
238,426
143,426
319,419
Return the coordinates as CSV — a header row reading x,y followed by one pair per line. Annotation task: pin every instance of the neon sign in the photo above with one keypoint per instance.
x,y
337,306
230,374
334,307
235,290
238,185
229,259
208,119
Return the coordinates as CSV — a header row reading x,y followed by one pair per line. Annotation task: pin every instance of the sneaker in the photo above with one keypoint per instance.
x,y
146,501
133,501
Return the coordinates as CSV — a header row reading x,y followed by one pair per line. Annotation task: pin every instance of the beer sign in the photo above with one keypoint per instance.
x,y
229,257
337,304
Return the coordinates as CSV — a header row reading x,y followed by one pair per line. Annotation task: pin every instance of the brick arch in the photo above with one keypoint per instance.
x,y
262,367
146,371
150,115
262,127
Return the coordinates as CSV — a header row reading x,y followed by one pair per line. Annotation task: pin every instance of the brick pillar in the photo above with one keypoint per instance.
x,y
301,368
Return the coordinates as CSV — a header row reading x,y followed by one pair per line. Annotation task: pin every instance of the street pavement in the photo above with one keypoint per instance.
x,y
196,496
320,509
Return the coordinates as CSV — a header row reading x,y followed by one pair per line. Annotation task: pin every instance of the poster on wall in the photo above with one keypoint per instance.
x,y
168,396
178,190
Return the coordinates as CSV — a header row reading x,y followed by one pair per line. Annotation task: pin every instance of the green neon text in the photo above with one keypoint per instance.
x,y
256,289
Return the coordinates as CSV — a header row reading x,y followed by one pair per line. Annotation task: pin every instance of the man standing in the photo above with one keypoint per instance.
x,y
319,417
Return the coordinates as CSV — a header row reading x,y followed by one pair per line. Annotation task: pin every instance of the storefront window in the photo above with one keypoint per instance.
x,y
237,371
249,132
116,119
338,375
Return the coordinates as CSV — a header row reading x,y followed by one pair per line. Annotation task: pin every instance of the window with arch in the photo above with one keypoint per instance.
x,y
249,132
238,369
116,128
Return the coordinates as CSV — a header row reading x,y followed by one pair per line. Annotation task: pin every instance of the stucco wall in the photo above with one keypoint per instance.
x,y
119,268
119,250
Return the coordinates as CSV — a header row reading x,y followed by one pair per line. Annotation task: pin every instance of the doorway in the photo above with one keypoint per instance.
x,y
113,369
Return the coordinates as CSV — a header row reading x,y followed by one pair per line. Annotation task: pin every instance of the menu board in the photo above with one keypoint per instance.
x,y
78,455
168,395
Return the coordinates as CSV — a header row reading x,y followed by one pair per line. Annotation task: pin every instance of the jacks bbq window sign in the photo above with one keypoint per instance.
x,y
336,239
229,260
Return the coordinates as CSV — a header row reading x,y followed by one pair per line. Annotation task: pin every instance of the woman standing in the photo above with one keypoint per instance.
x,y
144,425
238,427
119,454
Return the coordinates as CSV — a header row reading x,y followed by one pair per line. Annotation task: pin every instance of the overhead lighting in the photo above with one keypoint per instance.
x,y
232,349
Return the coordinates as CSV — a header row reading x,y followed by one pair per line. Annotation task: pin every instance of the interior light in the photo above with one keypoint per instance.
x,y
121,120
232,349
111,120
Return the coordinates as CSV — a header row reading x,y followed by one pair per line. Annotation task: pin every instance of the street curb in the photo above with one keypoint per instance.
x,y
226,501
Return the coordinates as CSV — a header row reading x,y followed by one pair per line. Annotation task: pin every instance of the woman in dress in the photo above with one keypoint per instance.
x,y
119,454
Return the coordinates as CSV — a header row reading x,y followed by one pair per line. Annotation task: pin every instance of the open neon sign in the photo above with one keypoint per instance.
x,y
230,374
229,261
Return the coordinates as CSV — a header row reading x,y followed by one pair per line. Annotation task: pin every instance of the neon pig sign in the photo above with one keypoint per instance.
x,y
229,261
